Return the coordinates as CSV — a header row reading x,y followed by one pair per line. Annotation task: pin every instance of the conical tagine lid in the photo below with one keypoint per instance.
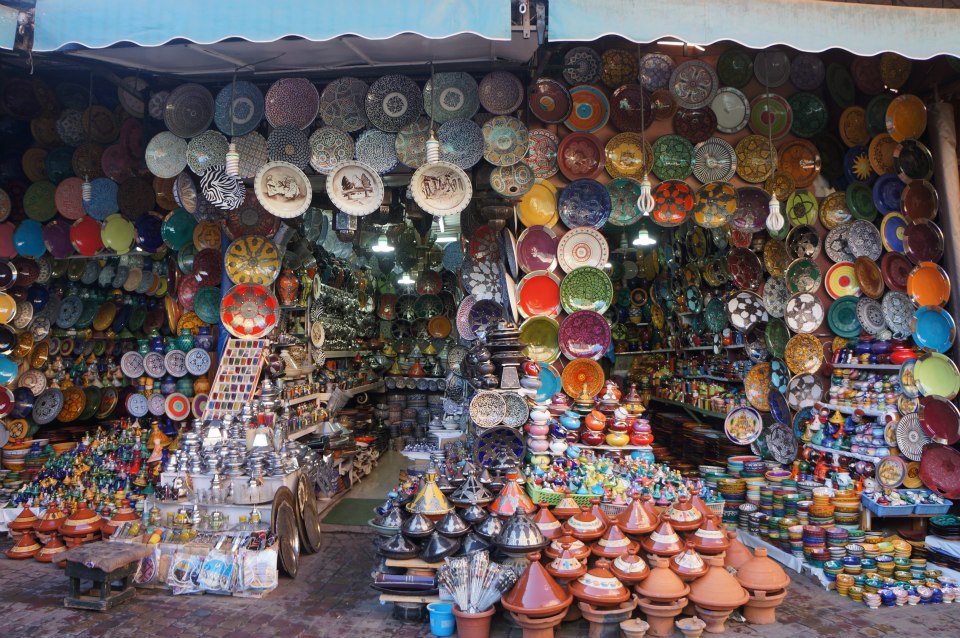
x,y
417,526
663,542
24,521
605,518
584,526
629,567
81,523
612,544
512,498
452,525
636,520
26,547
760,573
536,593
567,507
577,547
566,566
429,500
547,522
718,589
54,547
399,547
475,514
520,534
682,515
688,564
439,547
51,520
662,585
738,553
471,492
710,538
599,586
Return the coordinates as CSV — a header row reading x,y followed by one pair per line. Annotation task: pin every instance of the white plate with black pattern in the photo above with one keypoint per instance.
x,y
803,391
775,296
153,365
175,362
870,315
197,361
804,312
745,310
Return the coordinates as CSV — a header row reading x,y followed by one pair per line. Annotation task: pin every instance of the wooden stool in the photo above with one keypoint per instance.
x,y
103,563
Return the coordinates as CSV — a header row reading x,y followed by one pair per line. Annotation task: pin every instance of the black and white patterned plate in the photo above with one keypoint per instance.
x,y
392,102
222,190
153,365
803,391
870,315
804,313
377,149
289,144
745,310
461,143
47,406
343,104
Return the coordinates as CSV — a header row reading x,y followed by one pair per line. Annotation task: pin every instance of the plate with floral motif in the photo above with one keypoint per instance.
x,y
249,311
582,375
673,157
693,84
328,147
342,104
624,157
624,193
715,204
804,313
582,246
656,70
673,201
505,140
586,288
392,102
451,95
756,157
542,153
745,310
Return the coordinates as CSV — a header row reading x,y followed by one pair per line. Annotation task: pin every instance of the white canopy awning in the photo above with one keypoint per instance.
x,y
806,25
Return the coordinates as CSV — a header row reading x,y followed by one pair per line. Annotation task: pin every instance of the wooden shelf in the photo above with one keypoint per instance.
x,y
412,598
298,372
310,397
344,354
377,387
666,350
413,563
691,407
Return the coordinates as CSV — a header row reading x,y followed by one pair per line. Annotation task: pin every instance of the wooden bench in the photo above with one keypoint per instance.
x,y
103,563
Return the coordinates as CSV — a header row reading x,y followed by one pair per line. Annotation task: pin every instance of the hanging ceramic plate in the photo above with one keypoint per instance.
x,y
842,317
745,268
940,419
501,92
47,406
911,437
542,153
166,155
673,157
859,200
715,204
775,257
590,111
537,249
770,115
461,143
696,125
735,67
655,70
934,329
804,313
714,161
810,114
582,375
410,144
343,104
745,309
919,200
802,208
928,285
177,406
221,190
756,157
484,315
776,335
292,102
250,219
505,141
923,241
887,191
631,108
743,425
539,205
586,288
753,206
800,160
548,99
538,293
936,375
881,151
584,334
511,181
441,188
238,109
841,280
354,188
290,144
804,353
584,202
582,246
869,277
188,110
732,109
803,275
906,117
694,84
775,296
249,311
672,202
624,193
378,150
870,316
624,157
892,230
912,160
580,156
539,335
898,313
771,68
833,210
392,102
252,260
451,95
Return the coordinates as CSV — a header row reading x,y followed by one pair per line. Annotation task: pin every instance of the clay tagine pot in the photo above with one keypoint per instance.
x,y
761,573
429,499
738,553
650,506
697,503
26,546
716,595
51,550
566,566
612,544
81,523
50,522
125,514
605,518
536,594
663,542
599,586
24,522
577,547
585,526
567,507
682,515
630,568
547,522
636,520
688,565
710,538
662,585
511,498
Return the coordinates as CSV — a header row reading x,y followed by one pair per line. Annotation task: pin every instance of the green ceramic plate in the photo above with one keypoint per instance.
x,y
624,192
859,197
715,315
770,115
802,208
206,303
777,334
840,86
586,288
137,317
831,155
877,114
673,157
803,275
937,374
810,114
540,338
842,317
92,394
177,228
735,68
89,311
185,257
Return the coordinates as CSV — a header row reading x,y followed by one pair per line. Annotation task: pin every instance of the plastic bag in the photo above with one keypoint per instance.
x,y
185,572
217,573
258,570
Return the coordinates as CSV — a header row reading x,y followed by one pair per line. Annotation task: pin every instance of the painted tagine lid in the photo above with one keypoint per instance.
x,y
429,500
718,589
399,547
650,506
51,520
710,538
475,514
688,565
697,503
391,521
636,520
613,543
417,526
584,526
125,514
605,518
547,522
662,585
452,525
599,586
629,567
53,547
26,547
663,541
577,547
511,498
738,553
24,521
536,593
82,522
761,573
471,492
567,507
682,515
520,534
567,566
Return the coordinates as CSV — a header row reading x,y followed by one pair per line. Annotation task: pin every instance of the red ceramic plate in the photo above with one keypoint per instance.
x,y
581,156
940,419
896,269
626,106
919,200
697,125
923,241
940,469
745,268
249,311
177,406
539,294
549,101
673,201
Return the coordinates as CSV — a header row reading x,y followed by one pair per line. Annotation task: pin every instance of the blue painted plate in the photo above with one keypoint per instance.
x,y
103,200
585,202
886,193
246,112
934,329
550,381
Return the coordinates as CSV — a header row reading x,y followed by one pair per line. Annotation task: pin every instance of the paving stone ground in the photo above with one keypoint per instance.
x,y
331,598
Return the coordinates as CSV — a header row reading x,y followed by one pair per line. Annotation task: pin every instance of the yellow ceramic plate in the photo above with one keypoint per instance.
x,y
104,316
206,234
539,205
853,126
8,308
804,353
833,210
881,153
906,118
623,158
756,156
841,280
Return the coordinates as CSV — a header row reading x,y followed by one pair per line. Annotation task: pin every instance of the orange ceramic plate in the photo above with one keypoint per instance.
x,y
928,285
906,118
438,327
800,159
582,372
853,127
539,206
104,316
881,153
8,308
539,294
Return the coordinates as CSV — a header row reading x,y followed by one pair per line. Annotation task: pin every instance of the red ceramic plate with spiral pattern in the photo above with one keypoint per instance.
x,y
672,202
177,406
249,311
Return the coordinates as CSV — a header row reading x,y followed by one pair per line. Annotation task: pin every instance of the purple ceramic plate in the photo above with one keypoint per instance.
x,y
56,237
484,315
584,335
923,241
463,317
537,249
753,206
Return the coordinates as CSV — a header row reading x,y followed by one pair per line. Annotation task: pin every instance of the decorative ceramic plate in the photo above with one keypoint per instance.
x,y
803,391
378,150
166,155
175,363
410,144
511,181
928,285
481,278
842,317
392,102
188,110
802,208
537,249
803,275
354,188
47,406
484,315
753,206
745,268
732,109
441,188
252,260
584,202
631,108
655,70
624,158
804,313
714,161
586,288
672,202
912,160
898,313
580,156
934,329
624,193
694,84
800,160
923,241
743,425
284,190
343,104
292,102
715,204
735,67
539,335
131,364
451,95
584,334
870,316
538,293
549,101
810,114
590,111
461,143
500,92
673,157
207,150
238,109
775,296
487,409
222,190
935,375
249,311
696,125
833,210
841,279
580,375
919,200
906,117
770,115
869,277
582,246
745,309
542,153
756,157
505,140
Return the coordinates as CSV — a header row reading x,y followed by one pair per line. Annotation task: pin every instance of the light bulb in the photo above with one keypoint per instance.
x,y
405,279
382,246
233,161
645,201
433,149
775,220
644,238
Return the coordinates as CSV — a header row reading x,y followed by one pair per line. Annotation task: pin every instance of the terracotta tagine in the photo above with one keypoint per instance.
x,y
636,520
697,503
567,507
650,506
738,553
599,586
613,543
710,538
663,542
605,619
50,522
511,498
691,627
585,526
83,522
662,585
634,628
766,583
536,594
630,568
547,522
24,521
599,513
51,550
125,514
682,515
26,546
688,565
577,547
716,595
566,566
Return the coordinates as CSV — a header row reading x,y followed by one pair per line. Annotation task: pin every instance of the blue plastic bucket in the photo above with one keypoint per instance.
x,y
442,622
